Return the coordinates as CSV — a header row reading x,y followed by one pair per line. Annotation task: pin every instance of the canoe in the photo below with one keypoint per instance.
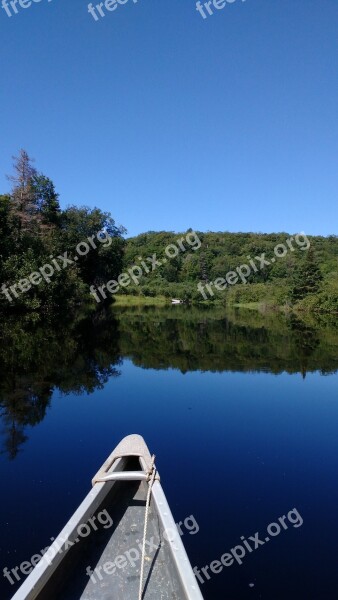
x,y
121,543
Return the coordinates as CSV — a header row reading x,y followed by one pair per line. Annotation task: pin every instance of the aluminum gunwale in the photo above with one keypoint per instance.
x,y
42,572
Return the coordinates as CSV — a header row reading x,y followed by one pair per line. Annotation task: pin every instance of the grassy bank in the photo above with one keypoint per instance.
x,y
124,300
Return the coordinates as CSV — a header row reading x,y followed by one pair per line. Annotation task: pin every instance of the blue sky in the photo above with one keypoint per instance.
x,y
171,121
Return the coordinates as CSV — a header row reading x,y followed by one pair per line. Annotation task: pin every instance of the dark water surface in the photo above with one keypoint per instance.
x,y
242,413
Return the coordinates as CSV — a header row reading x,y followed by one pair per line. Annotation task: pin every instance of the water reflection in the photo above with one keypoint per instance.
x,y
82,355
194,339
35,359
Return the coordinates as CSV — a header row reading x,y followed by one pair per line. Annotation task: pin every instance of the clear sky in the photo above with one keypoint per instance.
x,y
171,121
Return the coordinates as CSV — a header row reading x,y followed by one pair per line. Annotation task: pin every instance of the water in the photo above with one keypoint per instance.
x,y
241,412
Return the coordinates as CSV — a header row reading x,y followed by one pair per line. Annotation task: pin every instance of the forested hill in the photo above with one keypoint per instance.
x,y
303,271
53,259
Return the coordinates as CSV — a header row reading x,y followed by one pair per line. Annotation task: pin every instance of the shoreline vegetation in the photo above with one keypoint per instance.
x,y
50,259
124,300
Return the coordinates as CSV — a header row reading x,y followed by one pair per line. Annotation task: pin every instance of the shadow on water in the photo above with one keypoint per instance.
x,y
81,356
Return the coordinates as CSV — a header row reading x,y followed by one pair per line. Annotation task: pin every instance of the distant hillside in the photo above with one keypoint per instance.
x,y
303,270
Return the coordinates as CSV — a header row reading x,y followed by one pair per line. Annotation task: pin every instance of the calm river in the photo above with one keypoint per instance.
x,y
241,412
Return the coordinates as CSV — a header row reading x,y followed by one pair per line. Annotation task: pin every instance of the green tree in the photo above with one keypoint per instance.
x,y
7,245
307,277
34,231
104,262
46,199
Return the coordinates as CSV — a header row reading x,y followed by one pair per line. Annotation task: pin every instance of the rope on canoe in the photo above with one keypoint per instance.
x,y
151,479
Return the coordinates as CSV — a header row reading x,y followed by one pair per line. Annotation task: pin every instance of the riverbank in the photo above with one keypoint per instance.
x,y
125,300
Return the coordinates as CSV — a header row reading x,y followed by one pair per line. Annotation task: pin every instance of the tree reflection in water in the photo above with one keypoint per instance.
x,y
35,359
81,356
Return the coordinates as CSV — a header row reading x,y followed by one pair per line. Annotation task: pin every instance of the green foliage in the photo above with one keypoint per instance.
x,y
307,277
34,231
285,282
46,199
7,242
326,300
104,262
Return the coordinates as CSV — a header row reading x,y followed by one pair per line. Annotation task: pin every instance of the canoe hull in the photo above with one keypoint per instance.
x,y
106,564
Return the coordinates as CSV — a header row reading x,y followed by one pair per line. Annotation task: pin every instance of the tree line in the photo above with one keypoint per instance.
x,y
306,280
34,230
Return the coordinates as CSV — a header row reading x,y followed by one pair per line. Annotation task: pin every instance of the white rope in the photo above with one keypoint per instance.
x,y
151,479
